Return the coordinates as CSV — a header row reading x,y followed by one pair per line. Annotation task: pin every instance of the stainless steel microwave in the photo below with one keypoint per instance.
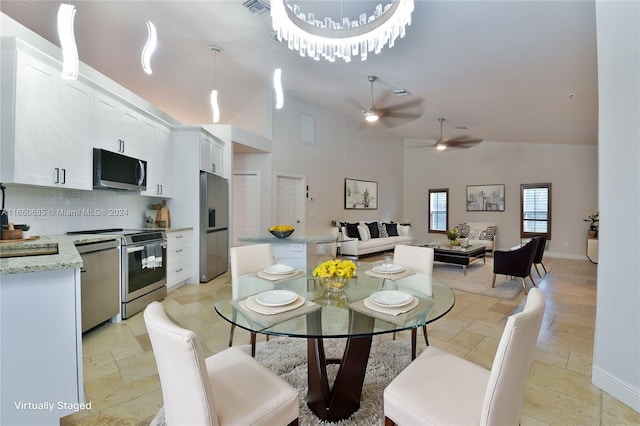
x,y
116,171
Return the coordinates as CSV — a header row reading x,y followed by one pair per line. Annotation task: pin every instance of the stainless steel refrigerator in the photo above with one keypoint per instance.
x,y
214,226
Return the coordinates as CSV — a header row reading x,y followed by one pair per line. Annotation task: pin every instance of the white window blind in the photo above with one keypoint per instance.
x,y
438,210
536,209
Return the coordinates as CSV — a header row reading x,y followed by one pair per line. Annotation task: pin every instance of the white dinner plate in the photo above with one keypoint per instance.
x,y
276,297
391,298
278,269
388,268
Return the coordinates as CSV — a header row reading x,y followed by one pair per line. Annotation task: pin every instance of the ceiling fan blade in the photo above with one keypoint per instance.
x,y
401,115
465,139
378,104
412,104
351,101
463,144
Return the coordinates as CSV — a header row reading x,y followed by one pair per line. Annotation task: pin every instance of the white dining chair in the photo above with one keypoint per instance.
x,y
444,389
247,260
416,259
227,388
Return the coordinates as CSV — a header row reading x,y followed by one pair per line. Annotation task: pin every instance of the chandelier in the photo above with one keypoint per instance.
x,y
330,39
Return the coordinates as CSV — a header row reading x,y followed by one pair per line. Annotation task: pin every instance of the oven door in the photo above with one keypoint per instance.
x,y
138,281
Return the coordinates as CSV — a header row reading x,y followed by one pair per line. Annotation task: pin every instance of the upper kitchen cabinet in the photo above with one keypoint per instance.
x,y
46,121
156,145
211,154
116,127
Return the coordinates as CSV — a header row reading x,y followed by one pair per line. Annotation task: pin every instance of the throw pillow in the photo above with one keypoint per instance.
x,y
363,231
483,235
392,229
474,234
382,230
352,230
373,229
463,230
403,230
491,232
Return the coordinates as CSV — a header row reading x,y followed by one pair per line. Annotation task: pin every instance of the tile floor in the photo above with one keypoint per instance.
x,y
122,383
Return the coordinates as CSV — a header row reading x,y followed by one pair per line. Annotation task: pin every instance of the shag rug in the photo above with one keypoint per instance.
x,y
478,279
287,357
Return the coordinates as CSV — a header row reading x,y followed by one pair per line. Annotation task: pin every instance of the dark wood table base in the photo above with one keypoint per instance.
x,y
341,400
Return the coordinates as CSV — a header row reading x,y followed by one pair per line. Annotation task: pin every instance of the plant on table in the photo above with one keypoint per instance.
x,y
452,235
593,219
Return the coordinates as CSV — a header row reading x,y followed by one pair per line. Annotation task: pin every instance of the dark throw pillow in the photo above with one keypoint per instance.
x,y
352,230
392,229
373,229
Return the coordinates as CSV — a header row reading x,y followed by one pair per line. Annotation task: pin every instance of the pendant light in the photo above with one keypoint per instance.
x,y
70,62
213,98
277,85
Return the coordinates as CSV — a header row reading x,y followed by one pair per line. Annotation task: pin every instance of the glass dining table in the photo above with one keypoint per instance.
x,y
374,303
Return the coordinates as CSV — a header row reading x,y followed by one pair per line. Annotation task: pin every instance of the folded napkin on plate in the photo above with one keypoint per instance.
x,y
278,277
389,275
261,321
400,316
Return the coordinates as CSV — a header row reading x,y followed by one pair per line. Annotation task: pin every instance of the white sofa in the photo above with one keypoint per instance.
x,y
361,237
479,233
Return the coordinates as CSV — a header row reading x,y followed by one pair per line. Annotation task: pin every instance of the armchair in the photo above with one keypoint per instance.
x,y
515,263
537,258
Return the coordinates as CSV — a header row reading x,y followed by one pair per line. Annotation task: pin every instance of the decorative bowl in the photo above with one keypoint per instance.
x,y
281,233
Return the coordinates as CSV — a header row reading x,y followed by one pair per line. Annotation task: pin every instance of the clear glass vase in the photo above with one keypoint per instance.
x,y
334,283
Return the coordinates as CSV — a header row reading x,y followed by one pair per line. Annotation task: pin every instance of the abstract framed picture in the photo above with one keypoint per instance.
x,y
360,194
485,198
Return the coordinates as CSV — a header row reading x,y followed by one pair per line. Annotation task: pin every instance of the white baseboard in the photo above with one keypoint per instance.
x,y
566,255
618,389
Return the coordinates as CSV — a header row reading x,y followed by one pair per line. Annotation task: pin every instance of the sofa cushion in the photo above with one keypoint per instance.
x,y
491,232
392,229
403,230
474,234
463,230
373,229
382,230
363,231
352,230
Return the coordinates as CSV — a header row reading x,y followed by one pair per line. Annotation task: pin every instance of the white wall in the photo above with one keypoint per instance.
x,y
571,169
616,359
342,149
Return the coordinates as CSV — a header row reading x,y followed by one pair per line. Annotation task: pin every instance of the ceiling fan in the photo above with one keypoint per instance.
x,y
393,115
464,141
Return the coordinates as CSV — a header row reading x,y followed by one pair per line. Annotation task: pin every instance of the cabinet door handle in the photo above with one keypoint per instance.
x,y
64,176
57,175
179,250
213,167
179,270
120,145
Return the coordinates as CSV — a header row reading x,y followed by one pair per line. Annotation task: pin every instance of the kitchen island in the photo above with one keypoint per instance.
x,y
300,251
40,330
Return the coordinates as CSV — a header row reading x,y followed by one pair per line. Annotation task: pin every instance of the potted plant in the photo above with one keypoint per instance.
x,y
593,219
452,235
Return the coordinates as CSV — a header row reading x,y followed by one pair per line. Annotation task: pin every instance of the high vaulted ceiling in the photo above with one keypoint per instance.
x,y
505,70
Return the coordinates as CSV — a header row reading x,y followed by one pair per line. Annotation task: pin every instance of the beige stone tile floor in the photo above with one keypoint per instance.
x,y
121,379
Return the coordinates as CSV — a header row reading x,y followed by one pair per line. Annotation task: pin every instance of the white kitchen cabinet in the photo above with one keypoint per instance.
x,y
211,154
178,258
41,340
46,123
116,127
156,140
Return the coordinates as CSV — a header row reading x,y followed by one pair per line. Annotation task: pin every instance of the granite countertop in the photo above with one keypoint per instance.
x,y
67,256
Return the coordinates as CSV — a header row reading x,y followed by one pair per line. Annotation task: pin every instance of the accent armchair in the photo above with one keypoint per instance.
x,y
537,258
440,388
515,263
227,388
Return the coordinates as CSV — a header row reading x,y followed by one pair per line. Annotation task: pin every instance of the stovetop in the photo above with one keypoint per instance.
x,y
131,236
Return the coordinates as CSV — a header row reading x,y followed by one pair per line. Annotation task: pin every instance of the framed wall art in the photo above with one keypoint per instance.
x,y
485,198
360,194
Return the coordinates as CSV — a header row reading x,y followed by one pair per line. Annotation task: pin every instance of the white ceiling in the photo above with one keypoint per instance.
x,y
503,69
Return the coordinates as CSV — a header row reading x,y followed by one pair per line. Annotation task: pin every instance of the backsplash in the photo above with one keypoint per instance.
x,y
56,211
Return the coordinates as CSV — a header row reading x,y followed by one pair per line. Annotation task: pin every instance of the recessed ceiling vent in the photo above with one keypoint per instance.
x,y
258,7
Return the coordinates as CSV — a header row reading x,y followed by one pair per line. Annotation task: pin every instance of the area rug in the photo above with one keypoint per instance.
x,y
478,279
287,357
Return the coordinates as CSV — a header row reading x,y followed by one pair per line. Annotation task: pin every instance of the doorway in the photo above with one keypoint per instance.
x,y
290,195
246,205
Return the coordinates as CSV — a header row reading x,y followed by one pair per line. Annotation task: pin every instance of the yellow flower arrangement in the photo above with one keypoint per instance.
x,y
335,268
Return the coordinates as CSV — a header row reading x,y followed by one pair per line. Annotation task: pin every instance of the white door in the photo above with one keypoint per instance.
x,y
246,205
290,195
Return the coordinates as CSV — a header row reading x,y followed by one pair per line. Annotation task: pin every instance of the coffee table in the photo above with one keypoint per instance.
x,y
458,255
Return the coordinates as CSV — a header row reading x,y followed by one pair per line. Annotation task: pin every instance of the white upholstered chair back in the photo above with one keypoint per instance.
x,y
417,259
507,380
186,390
248,259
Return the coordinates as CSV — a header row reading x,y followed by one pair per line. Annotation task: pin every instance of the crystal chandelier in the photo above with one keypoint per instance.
x,y
330,39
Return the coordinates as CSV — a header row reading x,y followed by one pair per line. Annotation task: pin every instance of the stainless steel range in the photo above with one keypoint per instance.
x,y
143,267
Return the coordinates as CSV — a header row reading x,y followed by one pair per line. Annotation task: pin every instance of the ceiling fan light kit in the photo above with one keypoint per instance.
x,y
329,39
